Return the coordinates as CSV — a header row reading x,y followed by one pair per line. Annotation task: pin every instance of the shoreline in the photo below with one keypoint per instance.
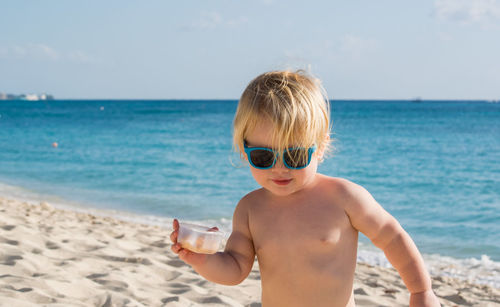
x,y
482,270
50,255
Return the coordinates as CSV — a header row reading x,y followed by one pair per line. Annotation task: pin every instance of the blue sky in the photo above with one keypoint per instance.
x,y
386,49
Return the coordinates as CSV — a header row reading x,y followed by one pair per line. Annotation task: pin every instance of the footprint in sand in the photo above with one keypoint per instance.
x,y
108,302
96,276
171,299
138,260
8,241
36,251
178,285
114,285
372,283
91,248
457,299
170,275
176,263
8,227
160,244
179,291
10,259
212,300
48,229
38,275
18,290
391,291
360,291
178,288
51,245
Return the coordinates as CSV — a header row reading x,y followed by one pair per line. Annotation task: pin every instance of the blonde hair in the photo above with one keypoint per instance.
x,y
294,102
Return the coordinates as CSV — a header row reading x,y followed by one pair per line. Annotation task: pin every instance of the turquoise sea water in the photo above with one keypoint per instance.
x,y
434,165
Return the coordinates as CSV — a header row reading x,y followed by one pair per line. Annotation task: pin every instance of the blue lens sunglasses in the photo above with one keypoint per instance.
x,y
265,158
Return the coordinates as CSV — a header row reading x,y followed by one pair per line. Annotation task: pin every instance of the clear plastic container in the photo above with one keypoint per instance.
x,y
199,239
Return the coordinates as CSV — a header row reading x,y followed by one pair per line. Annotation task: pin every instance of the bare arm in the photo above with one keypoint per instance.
x,y
386,233
233,265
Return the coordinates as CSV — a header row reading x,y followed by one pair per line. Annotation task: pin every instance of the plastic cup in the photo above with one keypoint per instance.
x,y
199,239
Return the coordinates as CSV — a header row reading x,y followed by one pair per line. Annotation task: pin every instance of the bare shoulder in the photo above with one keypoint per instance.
x,y
364,212
346,192
249,201
358,204
247,204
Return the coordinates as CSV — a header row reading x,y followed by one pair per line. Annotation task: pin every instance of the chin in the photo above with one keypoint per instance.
x,y
283,191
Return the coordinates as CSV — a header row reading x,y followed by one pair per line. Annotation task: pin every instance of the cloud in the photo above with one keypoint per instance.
x,y
40,51
484,12
212,20
46,51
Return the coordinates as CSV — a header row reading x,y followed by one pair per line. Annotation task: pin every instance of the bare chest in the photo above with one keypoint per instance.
x,y
311,229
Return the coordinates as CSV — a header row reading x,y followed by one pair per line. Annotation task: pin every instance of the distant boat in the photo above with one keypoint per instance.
x,y
28,97
416,100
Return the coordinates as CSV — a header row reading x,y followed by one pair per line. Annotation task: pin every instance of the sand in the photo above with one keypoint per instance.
x,y
55,257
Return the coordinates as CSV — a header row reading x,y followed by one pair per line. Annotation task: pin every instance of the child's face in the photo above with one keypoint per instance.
x,y
279,179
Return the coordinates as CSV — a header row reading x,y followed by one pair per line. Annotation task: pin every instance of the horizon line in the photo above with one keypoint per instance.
x,y
418,99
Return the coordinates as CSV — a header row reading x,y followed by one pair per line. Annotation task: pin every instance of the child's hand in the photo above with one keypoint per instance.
x,y
426,298
189,257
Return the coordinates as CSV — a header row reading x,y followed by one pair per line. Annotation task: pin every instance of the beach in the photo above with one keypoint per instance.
x,y
58,257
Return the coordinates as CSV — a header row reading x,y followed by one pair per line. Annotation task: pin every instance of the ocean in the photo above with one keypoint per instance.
x,y
434,165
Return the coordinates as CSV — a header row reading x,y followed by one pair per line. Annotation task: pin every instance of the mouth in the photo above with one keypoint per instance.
x,y
282,181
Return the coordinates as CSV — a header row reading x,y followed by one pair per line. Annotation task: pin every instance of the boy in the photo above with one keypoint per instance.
x,y
303,226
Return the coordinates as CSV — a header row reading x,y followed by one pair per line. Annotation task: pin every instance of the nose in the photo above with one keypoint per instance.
x,y
279,166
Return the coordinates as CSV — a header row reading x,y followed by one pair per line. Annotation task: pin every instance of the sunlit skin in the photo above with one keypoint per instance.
x,y
303,228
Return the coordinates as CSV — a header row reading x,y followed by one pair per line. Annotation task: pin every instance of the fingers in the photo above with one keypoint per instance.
x,y
175,233
173,236
181,252
185,255
176,248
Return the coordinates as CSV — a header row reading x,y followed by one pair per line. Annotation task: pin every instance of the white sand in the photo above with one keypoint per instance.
x,y
55,257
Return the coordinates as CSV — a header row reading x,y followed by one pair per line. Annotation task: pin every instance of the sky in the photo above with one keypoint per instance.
x,y
360,49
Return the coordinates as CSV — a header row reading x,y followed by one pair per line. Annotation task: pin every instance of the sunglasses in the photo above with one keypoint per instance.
x,y
265,158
